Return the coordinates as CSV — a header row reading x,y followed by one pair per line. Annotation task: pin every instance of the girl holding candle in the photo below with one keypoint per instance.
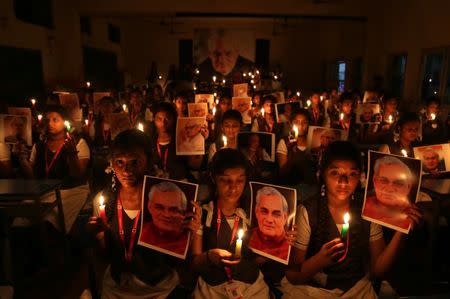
x,y
408,127
389,119
134,271
62,156
433,129
231,125
265,120
318,267
316,111
214,247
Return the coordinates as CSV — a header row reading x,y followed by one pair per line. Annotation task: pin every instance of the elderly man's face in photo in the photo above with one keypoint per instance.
x,y
392,185
17,127
166,211
253,141
223,56
192,129
199,111
270,215
430,160
367,114
243,106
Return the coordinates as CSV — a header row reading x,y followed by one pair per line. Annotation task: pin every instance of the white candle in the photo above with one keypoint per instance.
x,y
262,111
404,153
140,127
237,252
225,141
295,129
101,208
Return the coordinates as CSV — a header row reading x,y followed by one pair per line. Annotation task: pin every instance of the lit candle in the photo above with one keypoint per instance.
x,y
101,209
321,98
253,76
195,87
245,75
225,141
275,77
252,81
160,77
214,110
88,84
390,119
308,103
67,124
345,226
254,86
237,252
262,111
197,71
341,117
86,122
224,81
298,93
295,129
140,127
215,94
404,153
257,72
433,116
124,107
39,117
217,101
214,79
33,102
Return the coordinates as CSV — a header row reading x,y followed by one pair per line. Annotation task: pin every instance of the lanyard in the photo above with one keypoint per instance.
x,y
106,134
47,166
129,252
235,226
166,154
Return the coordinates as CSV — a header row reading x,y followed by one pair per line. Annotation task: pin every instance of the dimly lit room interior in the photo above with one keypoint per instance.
x,y
224,149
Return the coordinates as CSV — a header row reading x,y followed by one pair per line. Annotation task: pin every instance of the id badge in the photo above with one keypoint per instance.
x,y
233,290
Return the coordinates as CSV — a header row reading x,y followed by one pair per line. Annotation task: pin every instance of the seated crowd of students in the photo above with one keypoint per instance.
x,y
89,160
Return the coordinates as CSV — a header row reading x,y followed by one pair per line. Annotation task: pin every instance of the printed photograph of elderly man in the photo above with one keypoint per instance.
x,y
274,208
392,187
166,206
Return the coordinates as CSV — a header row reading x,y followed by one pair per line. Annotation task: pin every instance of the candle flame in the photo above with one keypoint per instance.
x,y
262,111
308,103
342,116
252,81
88,84
197,71
390,119
275,77
214,78
214,111
321,98
101,200
67,124
140,127
433,116
404,153
249,73
240,234
346,218
225,141
159,77
224,81
254,86
124,107
245,75
257,72
295,129
86,121
298,93
33,101
39,117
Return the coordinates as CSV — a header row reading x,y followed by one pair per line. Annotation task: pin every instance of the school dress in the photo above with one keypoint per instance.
x,y
147,274
74,191
347,279
246,275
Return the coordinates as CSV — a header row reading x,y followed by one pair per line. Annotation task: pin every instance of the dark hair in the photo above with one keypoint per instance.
x,y
408,117
168,108
227,158
303,112
107,100
132,139
433,100
58,109
233,115
269,97
340,150
346,96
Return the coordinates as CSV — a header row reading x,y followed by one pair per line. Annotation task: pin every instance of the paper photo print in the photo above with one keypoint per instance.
x,y
392,186
240,90
435,158
189,140
243,105
71,102
96,97
257,146
197,109
166,210
274,214
14,128
205,98
284,111
368,113
119,123
319,138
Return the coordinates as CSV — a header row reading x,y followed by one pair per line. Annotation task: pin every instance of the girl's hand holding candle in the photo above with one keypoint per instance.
x,y
345,226
295,129
101,209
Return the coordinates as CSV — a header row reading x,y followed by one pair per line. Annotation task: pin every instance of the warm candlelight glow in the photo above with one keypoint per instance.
x,y
275,77
214,110
215,94
433,116
254,86
124,107
101,200
86,122
214,78
33,101
237,252
346,218
225,141
160,77
308,103
295,129
321,98
88,84
67,124
345,226
224,81
39,117
252,81
197,71
253,76
240,234
390,119
298,93
262,111
341,116
140,127
101,209
404,153
245,75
